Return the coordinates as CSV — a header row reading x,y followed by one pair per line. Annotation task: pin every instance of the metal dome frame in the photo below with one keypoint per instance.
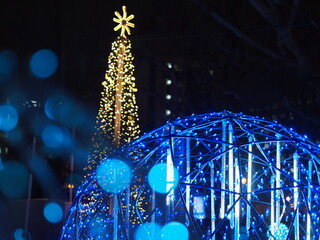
x,y
240,177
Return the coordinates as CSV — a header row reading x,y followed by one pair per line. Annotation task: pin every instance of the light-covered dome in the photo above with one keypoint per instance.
x,y
212,176
228,176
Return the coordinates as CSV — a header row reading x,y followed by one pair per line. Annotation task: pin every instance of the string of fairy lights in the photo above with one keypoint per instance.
x,y
117,119
211,176
116,125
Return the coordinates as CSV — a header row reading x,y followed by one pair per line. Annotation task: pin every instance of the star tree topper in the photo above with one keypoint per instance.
x,y
123,22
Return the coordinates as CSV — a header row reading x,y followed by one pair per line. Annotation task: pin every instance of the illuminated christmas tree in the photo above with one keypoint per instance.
x,y
117,120
101,208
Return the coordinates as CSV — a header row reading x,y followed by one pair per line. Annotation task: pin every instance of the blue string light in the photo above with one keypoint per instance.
x,y
240,177
53,212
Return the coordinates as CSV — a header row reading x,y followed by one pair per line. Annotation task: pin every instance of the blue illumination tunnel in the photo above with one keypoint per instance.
x,y
240,177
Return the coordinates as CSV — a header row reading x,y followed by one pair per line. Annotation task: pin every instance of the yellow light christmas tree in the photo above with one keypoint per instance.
x,y
117,119
98,213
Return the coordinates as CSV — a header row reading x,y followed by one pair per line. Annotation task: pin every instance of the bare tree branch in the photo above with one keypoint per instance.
x,y
285,35
285,40
300,113
234,53
237,31
313,22
293,12
283,32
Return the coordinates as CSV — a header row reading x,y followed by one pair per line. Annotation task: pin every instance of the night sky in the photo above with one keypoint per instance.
x,y
257,57
227,55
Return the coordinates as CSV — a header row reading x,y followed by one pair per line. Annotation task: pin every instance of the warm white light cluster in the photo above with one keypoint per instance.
x,y
119,107
117,120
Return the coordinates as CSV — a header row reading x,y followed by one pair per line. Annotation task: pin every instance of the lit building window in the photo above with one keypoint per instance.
x,y
31,103
168,96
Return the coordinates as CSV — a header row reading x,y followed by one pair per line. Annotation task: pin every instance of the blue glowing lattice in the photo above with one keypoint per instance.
x,y
253,177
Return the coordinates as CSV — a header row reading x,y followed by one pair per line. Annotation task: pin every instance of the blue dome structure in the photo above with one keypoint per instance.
x,y
215,176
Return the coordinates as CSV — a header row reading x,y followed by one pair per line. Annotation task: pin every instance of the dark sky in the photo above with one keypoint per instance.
x,y
259,60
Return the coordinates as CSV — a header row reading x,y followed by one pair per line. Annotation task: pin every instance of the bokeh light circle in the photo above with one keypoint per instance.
x,y
148,231
14,179
163,178
8,61
18,234
8,117
15,136
52,136
174,231
44,63
113,175
58,107
53,212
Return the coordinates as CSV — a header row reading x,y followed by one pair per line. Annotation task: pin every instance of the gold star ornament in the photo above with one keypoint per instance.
x,y
123,22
